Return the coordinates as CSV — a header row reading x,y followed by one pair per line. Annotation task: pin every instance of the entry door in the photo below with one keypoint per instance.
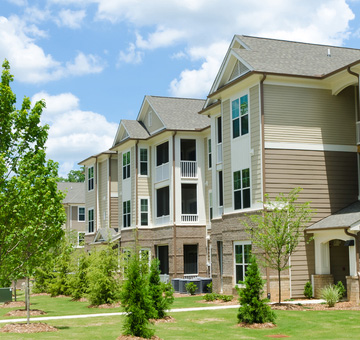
x,y
163,256
339,261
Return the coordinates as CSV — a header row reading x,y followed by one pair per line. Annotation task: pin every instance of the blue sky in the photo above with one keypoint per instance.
x,y
93,61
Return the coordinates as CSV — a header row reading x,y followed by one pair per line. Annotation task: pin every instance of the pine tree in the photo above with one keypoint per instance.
x,y
253,309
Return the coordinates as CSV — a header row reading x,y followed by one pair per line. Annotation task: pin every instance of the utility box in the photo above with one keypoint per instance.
x,y
5,294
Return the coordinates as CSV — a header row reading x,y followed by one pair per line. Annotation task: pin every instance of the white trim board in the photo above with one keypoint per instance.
x,y
308,146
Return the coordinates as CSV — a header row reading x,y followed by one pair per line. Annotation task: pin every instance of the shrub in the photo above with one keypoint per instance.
x,y
161,294
79,282
331,295
308,292
253,309
136,300
341,289
209,287
191,288
43,277
226,298
103,281
210,296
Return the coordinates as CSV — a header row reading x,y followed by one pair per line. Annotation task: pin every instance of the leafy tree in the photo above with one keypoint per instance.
x,y
74,176
31,213
278,230
136,299
79,282
102,277
161,294
253,309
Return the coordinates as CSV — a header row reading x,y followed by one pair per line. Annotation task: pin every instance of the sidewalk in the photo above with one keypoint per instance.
x,y
193,309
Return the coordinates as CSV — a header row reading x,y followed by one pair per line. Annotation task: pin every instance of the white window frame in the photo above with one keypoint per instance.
x,y
126,213
89,221
147,161
240,116
91,179
243,264
143,212
126,169
149,254
241,189
84,214
78,239
211,205
210,154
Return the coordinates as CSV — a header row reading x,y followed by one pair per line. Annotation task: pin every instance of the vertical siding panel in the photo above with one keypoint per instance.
x,y
255,144
226,144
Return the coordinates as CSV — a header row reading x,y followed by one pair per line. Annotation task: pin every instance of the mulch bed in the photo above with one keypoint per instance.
x,y
25,328
166,319
23,312
256,325
130,337
13,304
106,305
344,305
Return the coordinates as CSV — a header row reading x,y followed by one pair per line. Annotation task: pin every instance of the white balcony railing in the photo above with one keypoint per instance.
x,y
189,218
357,133
162,172
162,220
219,153
188,169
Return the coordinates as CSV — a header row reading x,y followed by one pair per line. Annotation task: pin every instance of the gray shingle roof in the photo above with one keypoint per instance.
x,y
75,192
287,57
343,218
135,129
180,113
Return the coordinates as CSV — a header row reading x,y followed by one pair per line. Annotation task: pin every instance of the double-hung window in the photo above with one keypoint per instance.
x,y
126,214
90,221
242,251
242,198
209,154
240,116
143,162
126,165
144,206
81,214
81,239
90,178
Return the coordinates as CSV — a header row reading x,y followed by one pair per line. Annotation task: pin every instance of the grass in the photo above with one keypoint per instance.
x,y
211,325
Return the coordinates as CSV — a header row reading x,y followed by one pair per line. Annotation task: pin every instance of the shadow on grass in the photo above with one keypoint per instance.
x,y
62,327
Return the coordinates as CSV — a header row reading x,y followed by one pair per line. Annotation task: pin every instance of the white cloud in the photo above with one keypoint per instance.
x,y
161,38
30,63
71,19
130,56
74,134
18,2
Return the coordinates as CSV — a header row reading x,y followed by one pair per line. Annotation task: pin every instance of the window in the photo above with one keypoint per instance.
x,y
189,199
145,255
162,154
81,239
242,251
90,220
210,205
143,162
190,259
144,207
81,214
240,116
126,165
219,130
91,178
209,154
221,193
242,189
162,202
126,214
162,253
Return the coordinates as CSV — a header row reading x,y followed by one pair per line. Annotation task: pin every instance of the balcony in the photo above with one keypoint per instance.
x,y
162,172
162,220
189,218
188,169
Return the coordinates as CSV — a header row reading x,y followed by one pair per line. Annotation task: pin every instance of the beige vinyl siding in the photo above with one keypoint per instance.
x,y
103,194
75,224
114,175
114,207
226,146
156,122
120,188
307,115
133,186
255,139
329,182
208,178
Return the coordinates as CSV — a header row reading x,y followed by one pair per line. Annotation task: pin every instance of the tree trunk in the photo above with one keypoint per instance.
x,y
279,286
15,284
27,300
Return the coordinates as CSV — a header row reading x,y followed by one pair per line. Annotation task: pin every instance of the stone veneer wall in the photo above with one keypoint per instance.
x,y
352,288
320,281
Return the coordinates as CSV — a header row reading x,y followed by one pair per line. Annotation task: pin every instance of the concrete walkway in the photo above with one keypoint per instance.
x,y
193,309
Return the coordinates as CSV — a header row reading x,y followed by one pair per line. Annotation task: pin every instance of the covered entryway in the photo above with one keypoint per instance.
x,y
339,261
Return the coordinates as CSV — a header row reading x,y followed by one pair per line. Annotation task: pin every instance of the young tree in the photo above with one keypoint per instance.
x,y
253,309
74,176
31,213
278,230
160,293
135,298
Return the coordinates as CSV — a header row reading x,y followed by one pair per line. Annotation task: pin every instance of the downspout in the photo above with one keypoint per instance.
x,y
109,191
262,121
356,236
174,206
